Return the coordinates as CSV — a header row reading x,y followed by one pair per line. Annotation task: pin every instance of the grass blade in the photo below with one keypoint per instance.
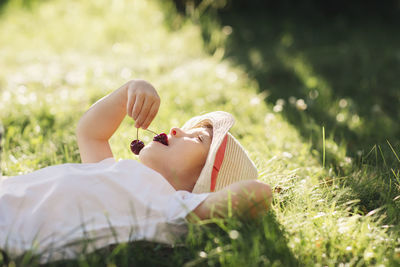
x,y
394,152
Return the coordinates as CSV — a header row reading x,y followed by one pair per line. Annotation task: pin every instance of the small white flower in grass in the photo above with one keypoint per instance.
x,y
233,234
269,117
227,30
340,117
287,155
292,100
355,119
368,255
202,254
301,105
254,101
320,214
216,240
277,108
280,102
218,249
349,248
343,103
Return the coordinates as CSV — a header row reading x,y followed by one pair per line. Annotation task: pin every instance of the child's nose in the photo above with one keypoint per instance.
x,y
176,132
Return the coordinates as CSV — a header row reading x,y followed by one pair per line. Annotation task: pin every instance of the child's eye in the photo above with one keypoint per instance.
x,y
200,139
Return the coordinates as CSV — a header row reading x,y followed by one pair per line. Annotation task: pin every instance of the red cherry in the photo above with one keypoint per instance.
x,y
162,138
136,146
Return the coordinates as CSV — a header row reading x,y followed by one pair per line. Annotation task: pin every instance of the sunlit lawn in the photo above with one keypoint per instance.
x,y
59,57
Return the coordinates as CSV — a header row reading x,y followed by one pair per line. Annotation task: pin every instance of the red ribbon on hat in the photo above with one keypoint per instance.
x,y
219,157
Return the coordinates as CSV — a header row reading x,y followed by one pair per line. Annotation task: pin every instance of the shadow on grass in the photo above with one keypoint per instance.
x,y
331,69
344,68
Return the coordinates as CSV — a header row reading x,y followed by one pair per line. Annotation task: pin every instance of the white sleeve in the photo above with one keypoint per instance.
x,y
182,203
107,160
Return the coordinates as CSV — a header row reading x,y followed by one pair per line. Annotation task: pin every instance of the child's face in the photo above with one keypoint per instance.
x,y
183,159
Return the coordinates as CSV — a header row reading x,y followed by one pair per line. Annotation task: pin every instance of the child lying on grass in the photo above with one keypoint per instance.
x,y
199,171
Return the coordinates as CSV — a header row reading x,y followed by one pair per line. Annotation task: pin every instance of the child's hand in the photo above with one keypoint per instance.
x,y
142,103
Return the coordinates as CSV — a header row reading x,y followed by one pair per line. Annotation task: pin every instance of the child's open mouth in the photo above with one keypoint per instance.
x,y
161,138
137,145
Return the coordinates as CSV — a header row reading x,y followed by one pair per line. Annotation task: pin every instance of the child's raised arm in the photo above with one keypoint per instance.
x,y
137,99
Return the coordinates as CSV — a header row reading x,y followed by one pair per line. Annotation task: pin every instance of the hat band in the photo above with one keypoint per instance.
x,y
219,157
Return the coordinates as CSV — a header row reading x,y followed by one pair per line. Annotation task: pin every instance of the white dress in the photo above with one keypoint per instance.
x,y
109,201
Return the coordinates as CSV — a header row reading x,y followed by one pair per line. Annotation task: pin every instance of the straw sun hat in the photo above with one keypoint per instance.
x,y
227,162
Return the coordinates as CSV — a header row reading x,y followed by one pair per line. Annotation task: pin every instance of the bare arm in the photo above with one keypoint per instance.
x,y
137,99
249,198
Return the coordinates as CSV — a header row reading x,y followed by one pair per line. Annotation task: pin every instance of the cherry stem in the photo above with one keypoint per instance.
x,y
137,133
151,131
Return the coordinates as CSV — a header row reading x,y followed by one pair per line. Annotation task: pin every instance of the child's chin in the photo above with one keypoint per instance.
x,y
142,152
153,149
146,151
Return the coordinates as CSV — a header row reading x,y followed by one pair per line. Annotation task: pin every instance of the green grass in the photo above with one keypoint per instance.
x,y
59,57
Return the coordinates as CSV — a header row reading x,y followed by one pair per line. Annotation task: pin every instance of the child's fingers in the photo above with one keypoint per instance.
x,y
129,105
137,107
152,114
144,112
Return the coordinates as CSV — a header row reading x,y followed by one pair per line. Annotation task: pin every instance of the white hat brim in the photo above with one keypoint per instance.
x,y
222,122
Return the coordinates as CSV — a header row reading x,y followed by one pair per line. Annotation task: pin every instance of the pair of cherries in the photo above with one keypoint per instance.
x,y
137,145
